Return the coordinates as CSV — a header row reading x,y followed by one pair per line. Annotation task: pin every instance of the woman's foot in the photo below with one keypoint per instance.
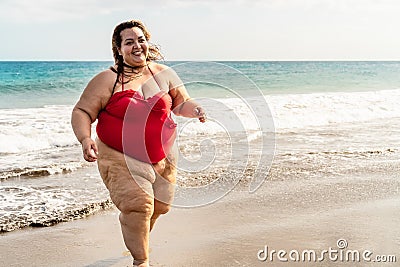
x,y
140,263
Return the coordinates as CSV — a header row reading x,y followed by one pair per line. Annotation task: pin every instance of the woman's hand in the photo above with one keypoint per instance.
x,y
200,113
89,148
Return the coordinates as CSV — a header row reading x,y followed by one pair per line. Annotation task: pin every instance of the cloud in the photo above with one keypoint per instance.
x,y
53,10
44,11
321,4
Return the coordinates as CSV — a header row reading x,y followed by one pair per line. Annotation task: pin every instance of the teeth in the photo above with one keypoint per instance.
x,y
137,53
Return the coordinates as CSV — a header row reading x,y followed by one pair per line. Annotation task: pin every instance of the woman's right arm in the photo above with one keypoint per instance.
x,y
92,101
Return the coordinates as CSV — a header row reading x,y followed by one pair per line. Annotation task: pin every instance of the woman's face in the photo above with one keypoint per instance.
x,y
134,47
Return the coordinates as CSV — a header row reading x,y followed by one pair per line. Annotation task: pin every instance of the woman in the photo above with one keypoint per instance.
x,y
132,102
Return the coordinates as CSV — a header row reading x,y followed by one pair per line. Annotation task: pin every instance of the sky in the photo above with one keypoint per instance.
x,y
204,29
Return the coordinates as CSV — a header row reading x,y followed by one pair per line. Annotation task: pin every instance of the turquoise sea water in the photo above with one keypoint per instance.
x,y
35,84
331,117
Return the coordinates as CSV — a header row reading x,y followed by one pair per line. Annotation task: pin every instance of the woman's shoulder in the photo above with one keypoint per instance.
x,y
102,82
110,73
105,77
168,74
162,70
158,66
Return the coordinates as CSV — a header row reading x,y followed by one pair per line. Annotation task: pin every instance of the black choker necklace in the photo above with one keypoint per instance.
x,y
133,72
133,67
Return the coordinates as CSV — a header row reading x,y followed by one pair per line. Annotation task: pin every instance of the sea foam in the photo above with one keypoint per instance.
x,y
33,129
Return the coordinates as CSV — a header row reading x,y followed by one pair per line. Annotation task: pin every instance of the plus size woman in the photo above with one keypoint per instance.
x,y
132,102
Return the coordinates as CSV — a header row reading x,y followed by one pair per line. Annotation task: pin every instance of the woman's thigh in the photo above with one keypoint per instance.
x,y
129,181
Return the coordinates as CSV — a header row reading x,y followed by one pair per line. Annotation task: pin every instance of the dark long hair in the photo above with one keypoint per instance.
x,y
154,50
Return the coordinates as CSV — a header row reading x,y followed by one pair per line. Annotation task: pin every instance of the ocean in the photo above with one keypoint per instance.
x,y
289,120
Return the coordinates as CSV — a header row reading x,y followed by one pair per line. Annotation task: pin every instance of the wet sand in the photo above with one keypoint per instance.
x,y
283,215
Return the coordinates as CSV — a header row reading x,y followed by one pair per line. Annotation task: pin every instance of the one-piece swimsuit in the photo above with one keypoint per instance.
x,y
138,127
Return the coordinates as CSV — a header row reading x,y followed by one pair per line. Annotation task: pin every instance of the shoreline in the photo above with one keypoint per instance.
x,y
301,214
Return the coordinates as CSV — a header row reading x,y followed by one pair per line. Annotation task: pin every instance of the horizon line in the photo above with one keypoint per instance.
x,y
208,60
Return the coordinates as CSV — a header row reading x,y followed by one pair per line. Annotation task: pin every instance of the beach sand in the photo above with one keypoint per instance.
x,y
300,214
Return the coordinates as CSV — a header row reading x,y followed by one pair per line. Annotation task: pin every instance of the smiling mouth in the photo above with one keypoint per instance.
x,y
137,53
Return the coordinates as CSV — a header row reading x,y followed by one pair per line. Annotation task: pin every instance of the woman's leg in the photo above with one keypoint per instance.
x,y
135,218
131,191
164,187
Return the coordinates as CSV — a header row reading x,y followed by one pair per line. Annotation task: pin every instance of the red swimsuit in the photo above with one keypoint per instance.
x,y
140,128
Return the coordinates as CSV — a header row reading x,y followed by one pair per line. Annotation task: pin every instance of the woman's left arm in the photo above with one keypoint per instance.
x,y
182,104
